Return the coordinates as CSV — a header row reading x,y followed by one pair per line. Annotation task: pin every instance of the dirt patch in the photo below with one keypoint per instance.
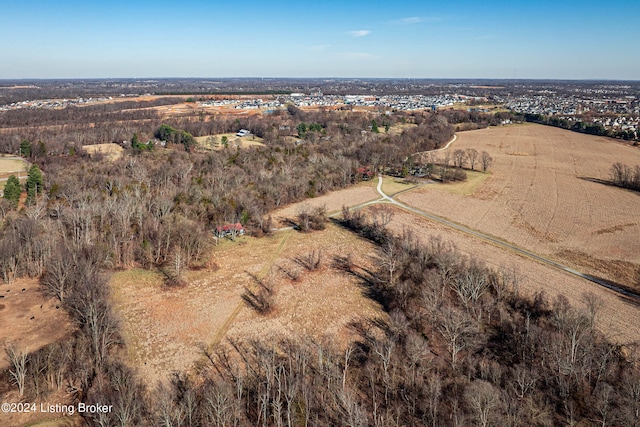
x,y
29,320
168,329
541,201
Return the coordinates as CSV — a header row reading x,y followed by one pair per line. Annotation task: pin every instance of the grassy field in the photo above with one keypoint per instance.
x,y
391,185
10,165
233,140
111,151
464,188
167,329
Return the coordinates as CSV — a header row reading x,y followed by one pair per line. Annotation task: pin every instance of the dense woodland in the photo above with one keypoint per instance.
x,y
458,345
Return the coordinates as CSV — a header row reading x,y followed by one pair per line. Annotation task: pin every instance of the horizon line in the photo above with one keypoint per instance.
x,y
591,79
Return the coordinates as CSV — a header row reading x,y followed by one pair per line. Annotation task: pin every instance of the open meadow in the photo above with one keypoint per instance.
x,y
214,142
168,329
543,194
110,151
29,319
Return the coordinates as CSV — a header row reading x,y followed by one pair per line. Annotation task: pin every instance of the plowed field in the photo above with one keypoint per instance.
x,y
543,195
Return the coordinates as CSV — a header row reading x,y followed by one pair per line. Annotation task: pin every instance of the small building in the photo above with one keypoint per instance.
x,y
230,230
243,132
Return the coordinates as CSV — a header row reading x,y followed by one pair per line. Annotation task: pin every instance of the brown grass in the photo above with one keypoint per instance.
x,y
233,140
545,202
167,329
334,201
28,319
11,165
111,151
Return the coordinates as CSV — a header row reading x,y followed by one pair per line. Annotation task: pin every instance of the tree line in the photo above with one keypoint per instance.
x,y
582,126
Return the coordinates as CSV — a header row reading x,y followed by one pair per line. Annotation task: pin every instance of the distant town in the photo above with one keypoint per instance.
x,y
615,106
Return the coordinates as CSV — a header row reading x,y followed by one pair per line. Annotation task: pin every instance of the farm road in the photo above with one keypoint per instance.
x,y
388,199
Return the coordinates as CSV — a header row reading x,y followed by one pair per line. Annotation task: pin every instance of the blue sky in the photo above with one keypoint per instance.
x,y
419,39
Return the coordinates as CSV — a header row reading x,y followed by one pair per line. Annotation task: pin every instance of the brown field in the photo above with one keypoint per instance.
x,y
111,151
333,202
29,319
542,197
166,329
617,318
241,142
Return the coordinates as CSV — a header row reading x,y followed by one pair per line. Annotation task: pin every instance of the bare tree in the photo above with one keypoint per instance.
x,y
18,369
459,158
176,268
472,155
57,275
486,160
484,399
457,329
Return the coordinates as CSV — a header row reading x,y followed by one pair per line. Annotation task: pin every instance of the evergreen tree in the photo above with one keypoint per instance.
x,y
374,127
135,141
25,148
34,184
12,190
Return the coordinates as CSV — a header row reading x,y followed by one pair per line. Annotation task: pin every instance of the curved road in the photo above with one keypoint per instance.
x,y
388,199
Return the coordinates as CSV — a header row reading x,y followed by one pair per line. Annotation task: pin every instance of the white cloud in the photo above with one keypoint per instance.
x,y
359,33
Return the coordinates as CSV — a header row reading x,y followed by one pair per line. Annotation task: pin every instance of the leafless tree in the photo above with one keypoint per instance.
x,y
312,261
457,329
485,400
390,260
57,275
18,366
176,268
472,155
459,158
486,160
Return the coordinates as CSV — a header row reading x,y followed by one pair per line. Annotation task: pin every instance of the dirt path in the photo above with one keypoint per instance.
x,y
222,332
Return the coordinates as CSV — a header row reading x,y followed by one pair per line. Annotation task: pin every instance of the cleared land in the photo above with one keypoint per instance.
x,y
167,329
10,165
541,196
29,320
214,142
111,151
333,202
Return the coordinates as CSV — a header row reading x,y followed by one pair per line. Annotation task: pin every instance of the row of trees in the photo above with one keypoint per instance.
x,y
581,126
